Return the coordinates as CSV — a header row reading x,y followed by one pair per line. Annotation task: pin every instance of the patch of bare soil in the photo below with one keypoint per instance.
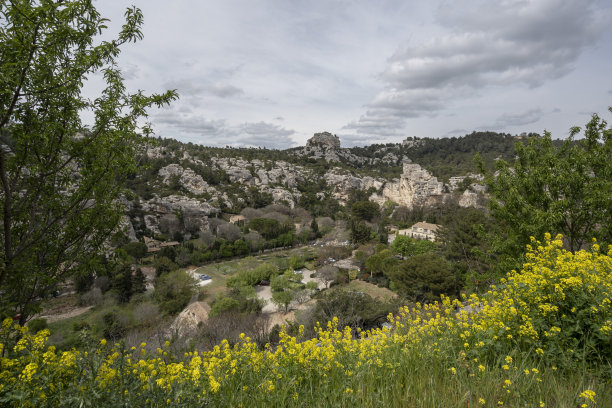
x,y
65,315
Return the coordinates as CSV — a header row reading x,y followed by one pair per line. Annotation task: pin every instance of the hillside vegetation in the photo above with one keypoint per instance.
x,y
541,338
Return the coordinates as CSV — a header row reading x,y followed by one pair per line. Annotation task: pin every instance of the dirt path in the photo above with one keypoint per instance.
x,y
61,316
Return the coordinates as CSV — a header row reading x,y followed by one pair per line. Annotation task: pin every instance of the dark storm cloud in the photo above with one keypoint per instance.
x,y
490,45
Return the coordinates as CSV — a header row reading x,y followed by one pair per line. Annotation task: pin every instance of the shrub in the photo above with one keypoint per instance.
x,y
558,304
541,338
146,314
92,297
36,325
424,278
114,324
136,250
164,265
407,246
173,291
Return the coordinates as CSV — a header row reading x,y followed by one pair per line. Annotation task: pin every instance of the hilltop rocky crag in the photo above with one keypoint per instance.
x,y
182,200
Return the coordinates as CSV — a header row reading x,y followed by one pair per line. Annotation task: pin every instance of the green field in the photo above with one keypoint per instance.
x,y
221,271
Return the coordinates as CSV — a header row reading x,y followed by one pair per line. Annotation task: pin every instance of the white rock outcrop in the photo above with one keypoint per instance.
x,y
416,186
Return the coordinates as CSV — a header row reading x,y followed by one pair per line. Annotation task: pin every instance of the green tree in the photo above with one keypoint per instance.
x,y
353,309
381,263
270,228
406,246
365,210
241,247
137,250
360,232
314,227
282,298
122,283
463,241
296,262
60,176
163,265
139,282
174,290
424,278
565,190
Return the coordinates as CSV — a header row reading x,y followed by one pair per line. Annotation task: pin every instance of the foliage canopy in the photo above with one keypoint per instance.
x,y
566,190
60,176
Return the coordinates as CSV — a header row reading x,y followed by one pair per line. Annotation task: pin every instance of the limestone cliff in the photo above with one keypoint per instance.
x,y
414,187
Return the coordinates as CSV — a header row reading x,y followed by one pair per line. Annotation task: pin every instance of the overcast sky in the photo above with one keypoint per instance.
x,y
273,72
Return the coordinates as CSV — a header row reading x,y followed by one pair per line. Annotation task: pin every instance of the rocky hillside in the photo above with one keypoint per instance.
x,y
184,185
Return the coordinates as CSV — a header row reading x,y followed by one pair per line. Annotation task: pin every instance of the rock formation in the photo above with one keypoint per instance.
x,y
325,140
416,186
342,184
188,321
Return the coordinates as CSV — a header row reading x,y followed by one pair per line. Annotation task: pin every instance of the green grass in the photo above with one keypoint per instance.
x,y
221,271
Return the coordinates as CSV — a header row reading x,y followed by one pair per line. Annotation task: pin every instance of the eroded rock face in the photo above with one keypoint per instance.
x,y
282,195
126,226
188,321
474,196
162,213
324,139
189,180
415,187
343,183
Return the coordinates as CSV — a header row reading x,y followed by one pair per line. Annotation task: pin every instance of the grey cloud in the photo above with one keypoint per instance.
x,y
351,139
491,44
264,134
610,91
130,71
225,90
457,132
193,88
185,87
191,123
516,119
219,133
377,122
409,103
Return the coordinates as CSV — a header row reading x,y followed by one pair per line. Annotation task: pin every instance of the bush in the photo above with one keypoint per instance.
x,y
407,246
558,305
173,291
424,278
36,325
164,265
365,210
114,324
238,300
92,297
136,250
146,314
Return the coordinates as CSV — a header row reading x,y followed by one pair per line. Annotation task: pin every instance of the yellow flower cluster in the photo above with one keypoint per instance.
x,y
530,310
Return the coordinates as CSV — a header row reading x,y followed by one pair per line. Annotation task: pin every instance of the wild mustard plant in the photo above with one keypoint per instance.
x,y
512,346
